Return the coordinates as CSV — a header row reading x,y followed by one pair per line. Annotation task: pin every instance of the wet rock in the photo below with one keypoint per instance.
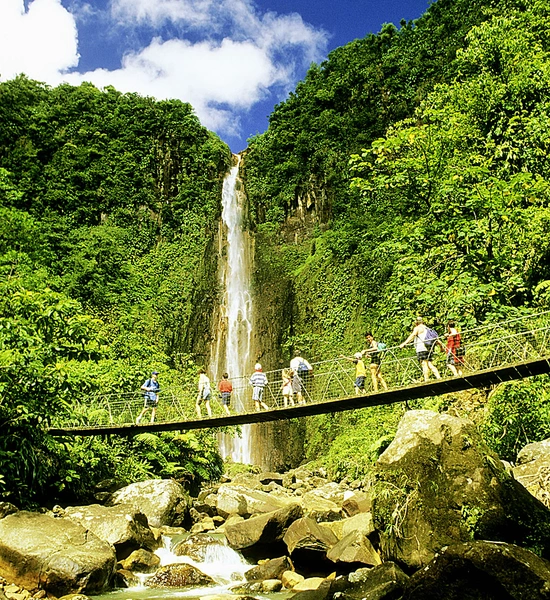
x,y
123,526
270,569
58,555
126,579
482,571
438,484
163,501
178,576
271,585
196,546
141,561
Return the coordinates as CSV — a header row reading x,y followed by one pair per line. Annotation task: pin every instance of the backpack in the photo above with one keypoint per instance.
x,y
302,367
430,337
382,347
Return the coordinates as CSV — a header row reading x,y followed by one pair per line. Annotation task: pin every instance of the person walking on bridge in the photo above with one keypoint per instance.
x,y
225,387
360,372
258,381
423,348
204,394
375,361
151,397
455,353
304,370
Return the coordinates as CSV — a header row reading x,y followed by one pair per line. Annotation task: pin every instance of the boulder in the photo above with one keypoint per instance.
x,y
291,579
267,477
240,500
439,484
123,526
126,579
270,569
7,508
262,535
361,522
306,534
354,548
383,582
271,585
141,561
319,508
180,575
533,470
355,503
482,571
58,555
163,501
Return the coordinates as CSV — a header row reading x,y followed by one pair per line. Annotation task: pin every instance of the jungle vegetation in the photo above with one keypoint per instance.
x,y
418,158
417,161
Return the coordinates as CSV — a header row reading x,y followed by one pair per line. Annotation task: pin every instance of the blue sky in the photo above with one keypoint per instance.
x,y
233,60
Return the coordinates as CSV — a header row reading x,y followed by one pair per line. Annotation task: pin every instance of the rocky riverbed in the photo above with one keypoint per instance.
x,y
440,517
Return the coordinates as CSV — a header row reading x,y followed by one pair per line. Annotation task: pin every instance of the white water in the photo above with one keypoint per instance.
x,y
234,333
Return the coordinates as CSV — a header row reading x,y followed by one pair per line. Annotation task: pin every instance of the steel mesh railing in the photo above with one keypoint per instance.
x,y
487,347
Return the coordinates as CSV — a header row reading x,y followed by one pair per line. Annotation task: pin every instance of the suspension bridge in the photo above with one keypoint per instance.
x,y
492,354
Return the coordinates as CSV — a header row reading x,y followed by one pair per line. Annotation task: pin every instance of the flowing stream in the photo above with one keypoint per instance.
x,y
233,339
224,565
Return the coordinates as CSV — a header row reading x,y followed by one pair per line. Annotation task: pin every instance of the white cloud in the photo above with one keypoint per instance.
x,y
41,42
237,56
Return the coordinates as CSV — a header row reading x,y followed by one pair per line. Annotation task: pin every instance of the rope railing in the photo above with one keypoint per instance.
x,y
489,347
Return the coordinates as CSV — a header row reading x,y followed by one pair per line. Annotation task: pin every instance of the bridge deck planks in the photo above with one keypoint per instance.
x,y
435,387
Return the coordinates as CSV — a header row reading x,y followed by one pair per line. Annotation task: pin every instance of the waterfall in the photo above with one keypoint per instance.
x,y
232,349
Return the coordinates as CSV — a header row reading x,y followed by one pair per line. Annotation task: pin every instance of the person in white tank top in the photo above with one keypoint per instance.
x,y
418,335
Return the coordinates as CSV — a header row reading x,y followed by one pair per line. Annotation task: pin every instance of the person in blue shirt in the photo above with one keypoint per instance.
x,y
151,397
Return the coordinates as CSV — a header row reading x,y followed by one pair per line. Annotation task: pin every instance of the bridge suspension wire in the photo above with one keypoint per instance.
x,y
491,353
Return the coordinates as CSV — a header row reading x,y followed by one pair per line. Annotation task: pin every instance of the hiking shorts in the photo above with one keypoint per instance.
x,y
257,393
151,400
423,355
226,398
360,382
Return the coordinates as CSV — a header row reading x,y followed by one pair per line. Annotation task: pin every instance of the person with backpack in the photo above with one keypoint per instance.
x,y
375,350
151,397
425,340
303,369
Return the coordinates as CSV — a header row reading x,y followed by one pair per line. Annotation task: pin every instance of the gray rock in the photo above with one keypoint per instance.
x,y
354,548
163,501
306,534
355,503
141,561
482,571
178,576
56,554
270,569
123,526
438,484
262,534
239,500
383,582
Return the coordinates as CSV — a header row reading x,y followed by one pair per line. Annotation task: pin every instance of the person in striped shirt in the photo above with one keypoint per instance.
x,y
258,381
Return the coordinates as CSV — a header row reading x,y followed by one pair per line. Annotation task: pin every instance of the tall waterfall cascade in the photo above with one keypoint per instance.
x,y
232,348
